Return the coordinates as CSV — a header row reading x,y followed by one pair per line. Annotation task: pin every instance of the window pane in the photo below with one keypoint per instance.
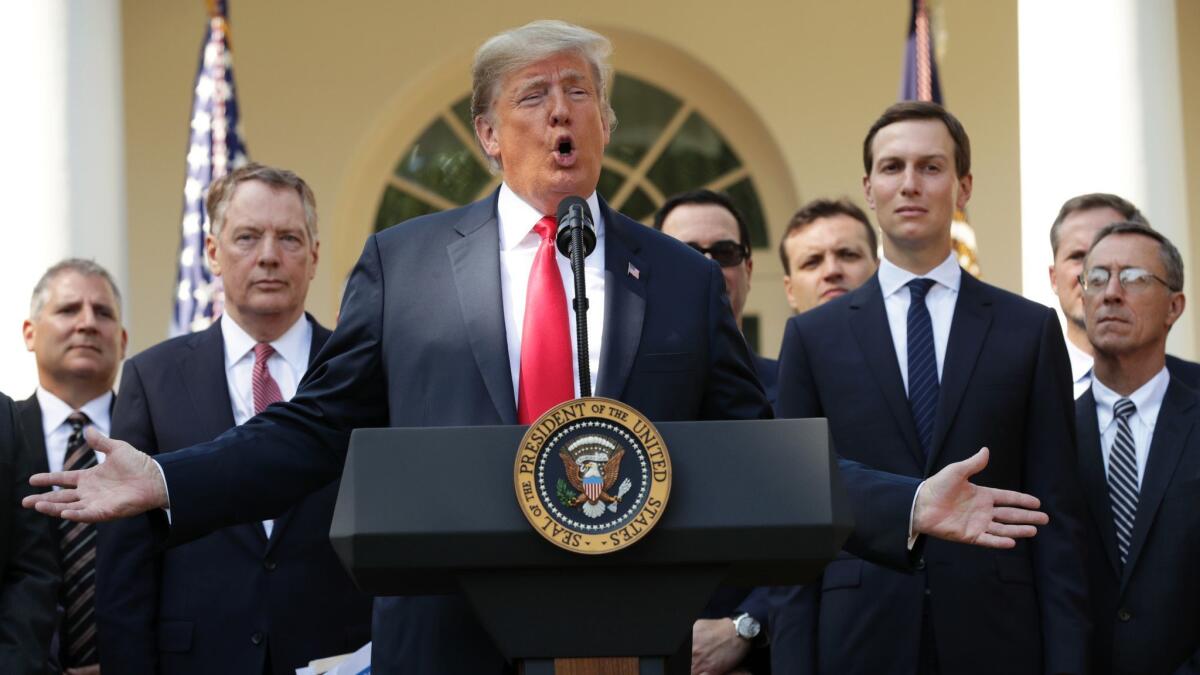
x,y
696,156
642,112
397,207
745,198
638,206
440,162
610,182
462,110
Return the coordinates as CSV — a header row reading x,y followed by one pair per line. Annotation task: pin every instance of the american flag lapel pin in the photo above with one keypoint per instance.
x,y
634,272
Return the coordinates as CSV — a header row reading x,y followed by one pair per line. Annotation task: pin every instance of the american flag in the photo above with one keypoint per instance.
x,y
920,83
215,147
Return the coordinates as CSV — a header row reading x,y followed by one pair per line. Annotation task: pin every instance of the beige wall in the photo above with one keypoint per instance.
x,y
322,87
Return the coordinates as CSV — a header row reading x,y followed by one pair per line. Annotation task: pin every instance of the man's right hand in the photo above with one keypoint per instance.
x,y
716,647
126,484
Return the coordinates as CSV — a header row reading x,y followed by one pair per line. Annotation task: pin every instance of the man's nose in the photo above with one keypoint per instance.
x,y
268,250
910,185
560,112
831,267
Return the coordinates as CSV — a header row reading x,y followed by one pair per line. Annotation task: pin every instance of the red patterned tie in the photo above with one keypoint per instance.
x,y
546,337
266,389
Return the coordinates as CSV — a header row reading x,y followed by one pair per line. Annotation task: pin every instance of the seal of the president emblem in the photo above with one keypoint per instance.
x,y
592,475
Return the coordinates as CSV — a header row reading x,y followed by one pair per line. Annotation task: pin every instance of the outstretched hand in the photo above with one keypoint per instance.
x,y
126,484
950,507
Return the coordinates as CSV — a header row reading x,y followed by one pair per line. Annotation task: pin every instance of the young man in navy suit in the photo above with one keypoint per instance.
x,y
941,365
1139,459
261,597
433,332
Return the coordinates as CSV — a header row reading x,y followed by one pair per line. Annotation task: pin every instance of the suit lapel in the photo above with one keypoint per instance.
x,y
319,335
475,259
1171,430
31,425
1093,477
968,328
625,303
869,323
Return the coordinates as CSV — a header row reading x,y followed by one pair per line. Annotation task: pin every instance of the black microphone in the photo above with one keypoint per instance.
x,y
573,213
576,239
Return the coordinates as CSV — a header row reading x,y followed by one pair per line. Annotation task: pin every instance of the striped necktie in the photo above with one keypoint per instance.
x,y
922,364
78,545
1122,477
262,385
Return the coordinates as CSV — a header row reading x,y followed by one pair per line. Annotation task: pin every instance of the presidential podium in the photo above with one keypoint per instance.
x,y
433,510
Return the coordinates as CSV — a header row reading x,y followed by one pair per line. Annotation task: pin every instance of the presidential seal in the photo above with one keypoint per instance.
x,y
592,475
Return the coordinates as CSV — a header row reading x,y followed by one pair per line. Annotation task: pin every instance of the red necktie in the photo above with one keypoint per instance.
x,y
266,389
546,377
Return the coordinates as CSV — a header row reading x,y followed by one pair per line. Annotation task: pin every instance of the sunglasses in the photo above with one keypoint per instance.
x,y
726,252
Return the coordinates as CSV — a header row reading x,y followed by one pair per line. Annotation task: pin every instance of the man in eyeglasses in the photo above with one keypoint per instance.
x,y
710,223
1139,459
1078,221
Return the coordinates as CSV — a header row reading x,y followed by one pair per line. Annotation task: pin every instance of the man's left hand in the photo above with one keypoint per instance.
x,y
950,507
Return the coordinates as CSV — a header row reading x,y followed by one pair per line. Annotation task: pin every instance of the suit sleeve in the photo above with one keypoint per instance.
x,y
882,501
128,563
733,391
256,471
1051,476
29,586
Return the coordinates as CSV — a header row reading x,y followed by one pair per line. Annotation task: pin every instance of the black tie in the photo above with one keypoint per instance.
x,y
78,543
922,364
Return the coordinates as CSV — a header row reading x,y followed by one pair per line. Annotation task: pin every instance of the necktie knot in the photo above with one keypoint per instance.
x,y
78,421
1123,408
546,228
918,288
262,352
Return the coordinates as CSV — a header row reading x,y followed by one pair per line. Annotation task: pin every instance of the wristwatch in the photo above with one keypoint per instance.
x,y
746,626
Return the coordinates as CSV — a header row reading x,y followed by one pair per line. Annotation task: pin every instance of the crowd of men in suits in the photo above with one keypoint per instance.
x,y
916,365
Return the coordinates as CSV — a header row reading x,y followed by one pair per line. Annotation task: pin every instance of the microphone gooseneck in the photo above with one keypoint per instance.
x,y
576,239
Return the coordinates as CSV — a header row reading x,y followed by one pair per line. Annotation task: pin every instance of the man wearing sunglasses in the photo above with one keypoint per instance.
x,y
1138,430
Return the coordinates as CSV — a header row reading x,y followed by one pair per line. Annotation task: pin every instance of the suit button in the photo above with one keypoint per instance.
x,y
1124,615
269,565
921,564
256,638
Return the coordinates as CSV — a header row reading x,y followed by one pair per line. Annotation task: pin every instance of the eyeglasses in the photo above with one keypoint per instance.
x,y
1132,279
726,252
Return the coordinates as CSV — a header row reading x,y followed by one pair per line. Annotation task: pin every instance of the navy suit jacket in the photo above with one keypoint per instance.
x,y
1187,372
421,343
29,558
768,374
1147,612
219,603
1005,385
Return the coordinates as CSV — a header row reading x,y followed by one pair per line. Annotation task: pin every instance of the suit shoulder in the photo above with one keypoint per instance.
x,y
1187,372
167,350
822,316
422,226
661,247
1009,302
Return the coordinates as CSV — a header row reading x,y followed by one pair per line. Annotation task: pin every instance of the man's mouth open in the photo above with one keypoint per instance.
x,y
564,153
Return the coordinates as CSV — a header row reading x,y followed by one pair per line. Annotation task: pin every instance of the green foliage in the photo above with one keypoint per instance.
x,y
565,494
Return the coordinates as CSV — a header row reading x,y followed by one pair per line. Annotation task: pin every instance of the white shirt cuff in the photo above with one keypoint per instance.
x,y
167,508
912,511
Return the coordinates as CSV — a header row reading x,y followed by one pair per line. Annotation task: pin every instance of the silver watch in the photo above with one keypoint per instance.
x,y
746,626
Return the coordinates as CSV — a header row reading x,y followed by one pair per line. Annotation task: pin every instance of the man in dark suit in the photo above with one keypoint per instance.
x,y
459,318
828,249
262,597
74,331
942,365
29,574
1139,459
1071,235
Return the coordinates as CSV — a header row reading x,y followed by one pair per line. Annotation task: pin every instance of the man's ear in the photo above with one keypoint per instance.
x,y
210,254
488,135
1175,309
867,192
964,191
27,332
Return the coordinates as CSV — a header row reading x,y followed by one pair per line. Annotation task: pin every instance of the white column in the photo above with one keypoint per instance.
x,y
62,179
1101,111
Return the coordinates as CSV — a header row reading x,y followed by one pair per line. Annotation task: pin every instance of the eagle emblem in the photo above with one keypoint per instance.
x,y
592,465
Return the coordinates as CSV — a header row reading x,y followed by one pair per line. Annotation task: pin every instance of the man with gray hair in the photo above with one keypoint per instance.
x,y
74,331
461,318
1071,235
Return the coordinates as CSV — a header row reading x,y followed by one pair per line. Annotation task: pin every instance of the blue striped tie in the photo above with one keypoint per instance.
x,y
922,364
1122,477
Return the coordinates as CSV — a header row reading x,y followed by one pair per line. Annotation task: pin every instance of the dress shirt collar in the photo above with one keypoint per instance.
x,y
517,217
1081,362
1148,398
55,411
293,345
893,278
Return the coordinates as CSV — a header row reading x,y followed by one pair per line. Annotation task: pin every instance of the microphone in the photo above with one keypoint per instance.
x,y
574,214
576,239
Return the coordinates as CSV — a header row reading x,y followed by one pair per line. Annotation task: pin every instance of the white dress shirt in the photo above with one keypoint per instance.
x,y
518,246
1148,398
1081,368
940,301
287,366
56,430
